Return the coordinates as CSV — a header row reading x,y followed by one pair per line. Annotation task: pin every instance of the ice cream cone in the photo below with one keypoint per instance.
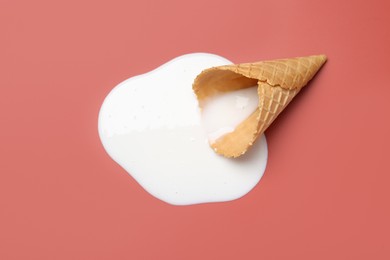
x,y
278,82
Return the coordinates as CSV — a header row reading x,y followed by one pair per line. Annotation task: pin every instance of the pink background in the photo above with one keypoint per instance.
x,y
325,193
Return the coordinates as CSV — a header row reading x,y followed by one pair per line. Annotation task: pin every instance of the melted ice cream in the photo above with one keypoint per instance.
x,y
151,126
221,114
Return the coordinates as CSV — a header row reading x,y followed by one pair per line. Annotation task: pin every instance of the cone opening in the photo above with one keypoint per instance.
x,y
213,82
209,86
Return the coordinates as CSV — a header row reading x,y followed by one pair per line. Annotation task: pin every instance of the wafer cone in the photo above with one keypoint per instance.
x,y
278,82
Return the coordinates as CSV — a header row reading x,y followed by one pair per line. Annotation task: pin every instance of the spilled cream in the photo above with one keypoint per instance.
x,y
151,125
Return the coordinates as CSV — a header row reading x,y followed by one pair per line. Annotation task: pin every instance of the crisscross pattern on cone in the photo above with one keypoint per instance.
x,y
278,82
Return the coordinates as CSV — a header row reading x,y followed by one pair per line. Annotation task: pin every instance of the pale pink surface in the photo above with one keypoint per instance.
x,y
325,193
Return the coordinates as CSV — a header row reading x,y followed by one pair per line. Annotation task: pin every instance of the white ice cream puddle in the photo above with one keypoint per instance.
x,y
151,126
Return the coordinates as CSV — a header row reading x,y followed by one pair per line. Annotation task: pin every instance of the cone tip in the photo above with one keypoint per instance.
x,y
322,58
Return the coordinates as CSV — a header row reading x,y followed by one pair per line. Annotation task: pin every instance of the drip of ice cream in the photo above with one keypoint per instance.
x,y
151,126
